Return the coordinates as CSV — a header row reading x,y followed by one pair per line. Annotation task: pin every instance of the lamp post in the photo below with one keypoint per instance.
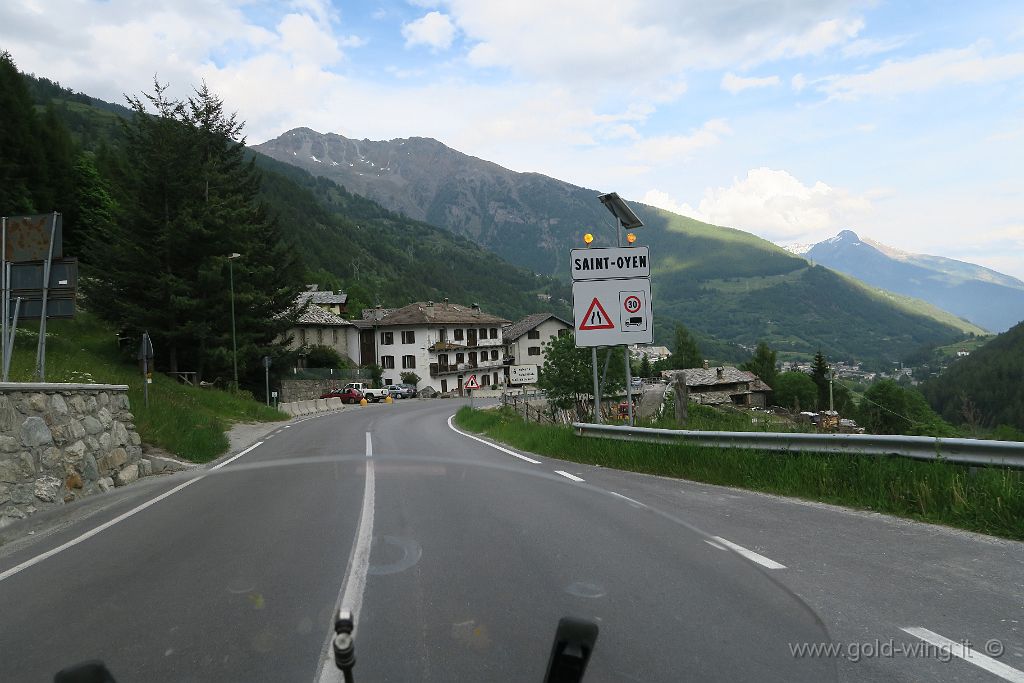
x,y
234,342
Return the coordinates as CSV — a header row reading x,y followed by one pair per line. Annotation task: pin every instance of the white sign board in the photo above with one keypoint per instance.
x,y
611,312
622,263
522,374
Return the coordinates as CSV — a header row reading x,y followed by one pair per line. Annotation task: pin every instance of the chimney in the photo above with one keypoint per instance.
x,y
312,288
476,306
706,366
445,302
430,304
721,373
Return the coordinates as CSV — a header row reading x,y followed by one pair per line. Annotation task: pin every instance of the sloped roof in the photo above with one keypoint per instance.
x,y
521,327
706,377
314,315
327,298
438,313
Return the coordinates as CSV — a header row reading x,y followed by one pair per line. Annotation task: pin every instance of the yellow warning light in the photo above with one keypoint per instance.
x,y
630,237
588,238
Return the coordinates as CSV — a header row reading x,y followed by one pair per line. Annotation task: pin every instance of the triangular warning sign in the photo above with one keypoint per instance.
x,y
596,318
471,383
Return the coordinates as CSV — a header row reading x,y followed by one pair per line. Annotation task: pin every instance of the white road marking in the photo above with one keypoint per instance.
x,y
120,518
628,499
715,545
750,554
488,443
359,565
286,427
966,653
569,476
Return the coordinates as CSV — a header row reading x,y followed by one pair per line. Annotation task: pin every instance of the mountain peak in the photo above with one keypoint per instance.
x,y
844,236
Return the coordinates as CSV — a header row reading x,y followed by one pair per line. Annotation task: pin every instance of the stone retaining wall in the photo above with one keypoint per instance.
x,y
308,389
59,442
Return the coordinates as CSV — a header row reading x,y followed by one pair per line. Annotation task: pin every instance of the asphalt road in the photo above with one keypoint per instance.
x,y
460,558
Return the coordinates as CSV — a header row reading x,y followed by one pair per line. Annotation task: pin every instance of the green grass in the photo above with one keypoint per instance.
x,y
187,421
987,500
949,351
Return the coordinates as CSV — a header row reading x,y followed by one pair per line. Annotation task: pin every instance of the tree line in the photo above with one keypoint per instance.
x,y
155,220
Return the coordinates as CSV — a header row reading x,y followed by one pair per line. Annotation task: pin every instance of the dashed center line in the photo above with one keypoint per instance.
x,y
628,499
569,476
967,653
749,554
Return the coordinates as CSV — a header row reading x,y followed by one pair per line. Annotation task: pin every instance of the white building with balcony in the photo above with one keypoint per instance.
x,y
442,342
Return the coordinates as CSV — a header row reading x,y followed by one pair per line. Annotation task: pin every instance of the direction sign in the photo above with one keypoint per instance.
x,y
610,312
471,383
522,374
613,263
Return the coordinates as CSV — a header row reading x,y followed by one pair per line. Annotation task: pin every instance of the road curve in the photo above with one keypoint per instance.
x,y
469,556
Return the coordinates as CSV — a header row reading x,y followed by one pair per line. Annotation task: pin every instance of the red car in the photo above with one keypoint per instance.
x,y
346,395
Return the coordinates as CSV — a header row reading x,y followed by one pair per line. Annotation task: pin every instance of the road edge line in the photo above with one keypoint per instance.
x,y
488,443
32,561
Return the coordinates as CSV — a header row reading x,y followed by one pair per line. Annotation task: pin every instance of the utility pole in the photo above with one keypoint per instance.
x,y
234,341
831,404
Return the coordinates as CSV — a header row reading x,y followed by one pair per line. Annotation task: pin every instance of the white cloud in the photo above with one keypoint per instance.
x,y
435,30
734,84
307,41
866,47
645,41
773,204
679,147
798,82
925,72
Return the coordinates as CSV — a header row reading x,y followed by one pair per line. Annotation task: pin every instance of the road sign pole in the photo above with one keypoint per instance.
x,y
9,351
41,349
4,302
597,391
629,385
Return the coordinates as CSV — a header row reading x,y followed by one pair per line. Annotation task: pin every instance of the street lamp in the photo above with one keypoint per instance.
x,y
234,343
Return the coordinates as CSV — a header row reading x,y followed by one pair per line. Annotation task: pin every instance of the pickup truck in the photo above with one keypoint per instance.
x,y
372,395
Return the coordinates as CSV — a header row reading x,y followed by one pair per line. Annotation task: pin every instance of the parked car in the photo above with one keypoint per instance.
x,y
402,390
371,395
347,395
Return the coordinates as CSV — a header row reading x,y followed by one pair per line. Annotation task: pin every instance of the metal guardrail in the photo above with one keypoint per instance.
x,y
961,451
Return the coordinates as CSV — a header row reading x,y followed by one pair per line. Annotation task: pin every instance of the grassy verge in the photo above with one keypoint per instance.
x,y
187,421
986,500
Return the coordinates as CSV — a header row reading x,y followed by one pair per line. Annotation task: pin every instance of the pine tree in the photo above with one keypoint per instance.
x,y
686,353
190,199
645,366
820,373
762,364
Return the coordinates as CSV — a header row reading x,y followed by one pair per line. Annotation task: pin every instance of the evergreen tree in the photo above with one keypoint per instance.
x,y
188,200
762,364
645,366
820,374
35,152
686,353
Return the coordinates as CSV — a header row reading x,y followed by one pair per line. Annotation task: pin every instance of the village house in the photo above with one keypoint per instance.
x,y
442,342
525,339
725,385
316,326
334,302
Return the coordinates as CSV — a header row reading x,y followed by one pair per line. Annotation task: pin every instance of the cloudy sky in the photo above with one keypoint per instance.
x,y
793,120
